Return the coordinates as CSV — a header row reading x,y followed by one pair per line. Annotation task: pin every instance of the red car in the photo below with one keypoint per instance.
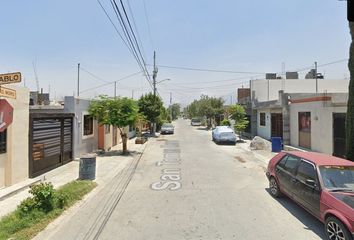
x,y
321,184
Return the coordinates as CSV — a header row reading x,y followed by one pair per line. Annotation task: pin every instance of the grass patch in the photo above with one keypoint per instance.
x,y
19,226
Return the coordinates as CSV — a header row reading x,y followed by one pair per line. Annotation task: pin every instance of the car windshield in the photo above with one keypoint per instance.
x,y
167,125
338,178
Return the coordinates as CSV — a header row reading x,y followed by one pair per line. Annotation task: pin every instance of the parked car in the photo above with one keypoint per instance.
x,y
167,128
196,122
321,184
223,134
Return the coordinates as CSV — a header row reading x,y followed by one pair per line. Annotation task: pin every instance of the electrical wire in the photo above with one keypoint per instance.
x,y
109,83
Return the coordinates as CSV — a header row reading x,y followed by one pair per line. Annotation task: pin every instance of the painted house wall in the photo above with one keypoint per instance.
x,y
321,124
259,88
14,163
264,131
82,144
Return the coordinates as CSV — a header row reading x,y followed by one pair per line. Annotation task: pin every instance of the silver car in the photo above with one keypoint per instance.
x,y
167,128
224,134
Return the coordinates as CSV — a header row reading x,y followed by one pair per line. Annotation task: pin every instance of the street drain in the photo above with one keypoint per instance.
x,y
240,159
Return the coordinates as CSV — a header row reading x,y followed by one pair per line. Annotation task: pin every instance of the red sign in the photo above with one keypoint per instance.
x,y
6,114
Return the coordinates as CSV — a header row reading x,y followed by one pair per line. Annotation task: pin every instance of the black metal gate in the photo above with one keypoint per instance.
x,y
50,142
339,138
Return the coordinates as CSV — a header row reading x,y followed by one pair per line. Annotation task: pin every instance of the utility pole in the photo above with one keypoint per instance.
x,y
170,98
78,79
316,77
115,89
133,94
154,75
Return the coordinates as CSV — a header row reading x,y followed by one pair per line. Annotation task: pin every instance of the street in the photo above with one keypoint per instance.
x,y
187,187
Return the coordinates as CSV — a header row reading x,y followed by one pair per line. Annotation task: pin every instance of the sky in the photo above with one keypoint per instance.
x,y
229,35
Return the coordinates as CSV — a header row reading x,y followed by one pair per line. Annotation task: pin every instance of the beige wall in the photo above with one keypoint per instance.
x,y
260,88
14,163
321,124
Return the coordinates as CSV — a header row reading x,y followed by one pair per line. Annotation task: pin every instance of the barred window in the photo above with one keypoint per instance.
x,y
262,119
3,141
88,125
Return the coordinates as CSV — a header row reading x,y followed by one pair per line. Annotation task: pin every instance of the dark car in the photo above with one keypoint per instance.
x,y
321,184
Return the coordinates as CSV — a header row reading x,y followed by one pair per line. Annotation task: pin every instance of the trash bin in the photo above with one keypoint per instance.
x,y
277,144
87,168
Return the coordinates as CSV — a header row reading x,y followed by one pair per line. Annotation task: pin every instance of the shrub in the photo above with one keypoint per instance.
x,y
27,206
225,122
43,195
61,200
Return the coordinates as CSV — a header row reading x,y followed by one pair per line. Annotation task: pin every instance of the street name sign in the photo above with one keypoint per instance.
x,y
6,114
7,92
8,78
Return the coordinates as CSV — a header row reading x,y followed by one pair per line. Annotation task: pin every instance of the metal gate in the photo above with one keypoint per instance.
x,y
50,142
277,125
339,138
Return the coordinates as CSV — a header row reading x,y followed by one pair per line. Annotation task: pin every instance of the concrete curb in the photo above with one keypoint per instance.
x,y
14,189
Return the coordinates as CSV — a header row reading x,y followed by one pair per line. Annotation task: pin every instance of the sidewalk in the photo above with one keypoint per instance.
x,y
107,166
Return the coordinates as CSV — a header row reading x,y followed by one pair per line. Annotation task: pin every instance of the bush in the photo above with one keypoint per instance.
x,y
225,122
61,200
27,206
43,195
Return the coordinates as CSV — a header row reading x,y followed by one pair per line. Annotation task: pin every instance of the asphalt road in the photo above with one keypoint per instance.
x,y
187,187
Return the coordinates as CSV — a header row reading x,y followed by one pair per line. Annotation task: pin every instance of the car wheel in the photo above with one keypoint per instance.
x,y
335,229
274,187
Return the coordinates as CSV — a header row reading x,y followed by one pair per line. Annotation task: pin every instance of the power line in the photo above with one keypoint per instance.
x,y
109,83
148,24
93,75
128,41
207,70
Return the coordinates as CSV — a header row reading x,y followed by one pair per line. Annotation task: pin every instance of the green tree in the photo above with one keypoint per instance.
x,y
150,106
225,122
118,112
350,105
238,113
175,110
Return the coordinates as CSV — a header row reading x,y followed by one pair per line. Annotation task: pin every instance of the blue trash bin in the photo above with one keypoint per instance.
x,y
277,144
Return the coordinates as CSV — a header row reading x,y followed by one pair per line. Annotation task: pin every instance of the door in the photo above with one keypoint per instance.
x,y
304,119
306,187
339,138
50,143
285,171
277,125
101,135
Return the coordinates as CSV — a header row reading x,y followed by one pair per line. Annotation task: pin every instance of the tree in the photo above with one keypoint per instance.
x,y
208,107
238,113
175,110
225,122
150,106
118,112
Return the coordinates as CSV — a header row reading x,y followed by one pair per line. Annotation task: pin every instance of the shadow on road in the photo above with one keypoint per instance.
x,y
118,153
311,223
203,128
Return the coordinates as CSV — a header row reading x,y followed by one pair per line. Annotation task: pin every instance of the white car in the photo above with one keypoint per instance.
x,y
224,134
167,128
196,122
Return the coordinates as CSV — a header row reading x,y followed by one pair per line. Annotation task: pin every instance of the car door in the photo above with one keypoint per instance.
x,y
306,187
285,171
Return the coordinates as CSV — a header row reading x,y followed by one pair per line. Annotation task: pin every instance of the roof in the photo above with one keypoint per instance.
x,y
321,159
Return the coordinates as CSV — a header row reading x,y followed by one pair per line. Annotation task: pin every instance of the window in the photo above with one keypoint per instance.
x,y
107,129
282,162
262,119
88,125
291,163
306,171
3,141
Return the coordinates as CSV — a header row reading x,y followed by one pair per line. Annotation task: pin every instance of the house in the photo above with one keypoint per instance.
x,y
306,120
14,141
